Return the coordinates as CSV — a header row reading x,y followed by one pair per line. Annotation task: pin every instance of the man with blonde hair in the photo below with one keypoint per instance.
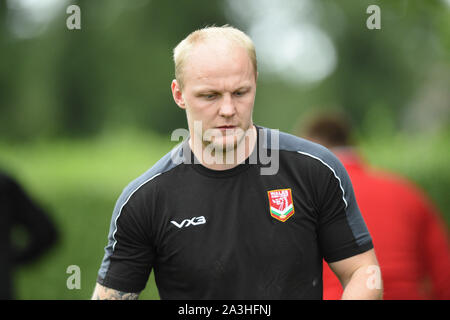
x,y
236,211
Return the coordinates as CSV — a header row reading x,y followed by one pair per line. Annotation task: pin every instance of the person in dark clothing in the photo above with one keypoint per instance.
x,y
17,209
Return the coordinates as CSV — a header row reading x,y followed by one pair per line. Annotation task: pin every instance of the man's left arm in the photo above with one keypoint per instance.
x,y
343,236
360,276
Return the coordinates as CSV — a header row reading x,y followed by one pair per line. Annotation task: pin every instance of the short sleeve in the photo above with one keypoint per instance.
x,y
342,230
129,255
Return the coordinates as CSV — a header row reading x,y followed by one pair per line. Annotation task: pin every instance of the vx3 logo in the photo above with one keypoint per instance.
x,y
187,222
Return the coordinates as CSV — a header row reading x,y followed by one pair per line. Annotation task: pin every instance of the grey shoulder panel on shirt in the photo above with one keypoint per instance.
x,y
288,142
165,164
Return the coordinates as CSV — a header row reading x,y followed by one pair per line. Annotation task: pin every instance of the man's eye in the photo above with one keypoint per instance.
x,y
240,93
209,96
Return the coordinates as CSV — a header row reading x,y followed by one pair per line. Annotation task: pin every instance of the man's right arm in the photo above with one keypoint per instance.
x,y
104,293
130,252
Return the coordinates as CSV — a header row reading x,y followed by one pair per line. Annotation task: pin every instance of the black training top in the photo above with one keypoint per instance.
x,y
257,231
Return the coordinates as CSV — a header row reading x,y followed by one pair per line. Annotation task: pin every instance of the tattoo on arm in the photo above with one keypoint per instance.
x,y
104,293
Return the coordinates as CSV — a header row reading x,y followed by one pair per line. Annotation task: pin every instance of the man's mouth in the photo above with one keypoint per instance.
x,y
227,127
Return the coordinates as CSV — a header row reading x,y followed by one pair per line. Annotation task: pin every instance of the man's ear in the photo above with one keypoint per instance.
x,y
177,94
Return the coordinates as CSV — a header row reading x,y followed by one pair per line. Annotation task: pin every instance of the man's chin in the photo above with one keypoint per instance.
x,y
225,142
226,145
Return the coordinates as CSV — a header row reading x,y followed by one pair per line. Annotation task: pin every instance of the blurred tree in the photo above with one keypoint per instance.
x,y
116,71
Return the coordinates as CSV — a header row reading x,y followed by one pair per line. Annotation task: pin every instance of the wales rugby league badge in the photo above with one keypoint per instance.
x,y
281,204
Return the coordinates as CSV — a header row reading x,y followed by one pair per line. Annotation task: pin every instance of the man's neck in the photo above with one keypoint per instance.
x,y
228,159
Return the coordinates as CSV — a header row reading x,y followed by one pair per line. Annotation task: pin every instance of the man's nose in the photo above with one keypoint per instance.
x,y
227,108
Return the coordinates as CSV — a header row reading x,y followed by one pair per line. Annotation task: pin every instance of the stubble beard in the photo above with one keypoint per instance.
x,y
224,151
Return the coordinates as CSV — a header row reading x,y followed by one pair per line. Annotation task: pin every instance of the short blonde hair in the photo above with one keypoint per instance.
x,y
236,36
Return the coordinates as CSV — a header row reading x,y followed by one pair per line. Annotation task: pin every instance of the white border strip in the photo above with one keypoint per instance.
x,y
120,211
340,183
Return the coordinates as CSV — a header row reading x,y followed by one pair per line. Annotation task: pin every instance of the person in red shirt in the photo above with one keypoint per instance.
x,y
409,236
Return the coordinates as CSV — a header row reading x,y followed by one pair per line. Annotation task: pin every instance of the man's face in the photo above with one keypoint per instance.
x,y
219,87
